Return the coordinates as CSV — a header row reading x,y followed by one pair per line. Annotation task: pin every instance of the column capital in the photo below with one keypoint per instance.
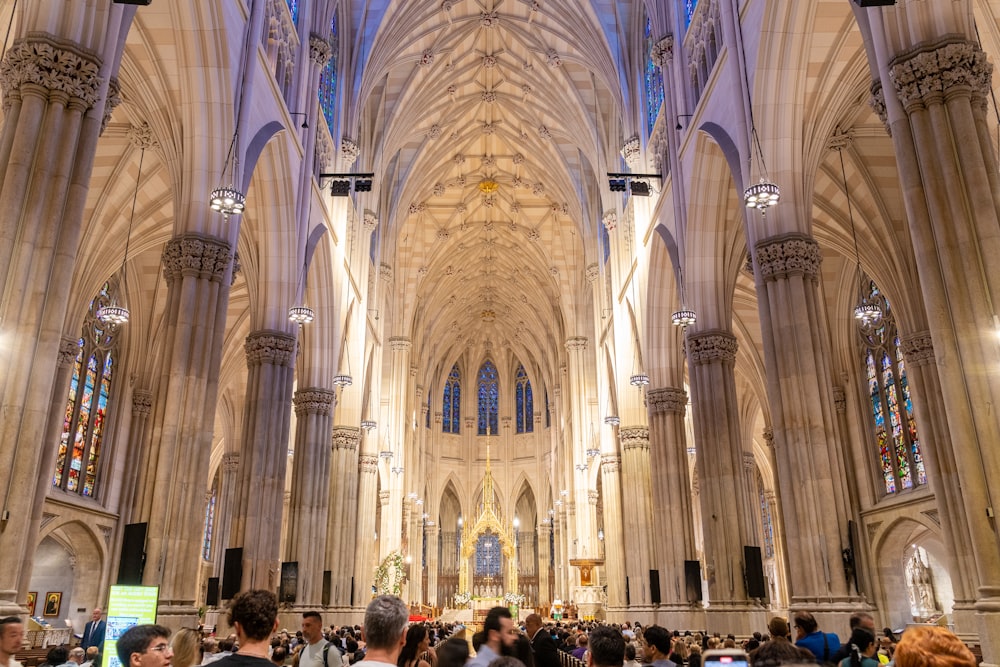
x,y
611,462
839,399
346,437
230,461
876,100
768,435
610,220
55,65
275,348
593,496
368,463
666,399
400,343
706,347
385,272
634,437
918,348
383,497
314,400
779,257
749,462
663,52
936,71
576,343
196,255
68,349
142,402
593,273
320,50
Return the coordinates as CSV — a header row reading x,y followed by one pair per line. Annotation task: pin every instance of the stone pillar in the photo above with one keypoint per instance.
x,y
726,521
796,350
774,504
198,271
54,96
432,535
364,544
225,506
637,528
340,532
671,501
614,538
310,498
391,533
574,453
261,487
542,532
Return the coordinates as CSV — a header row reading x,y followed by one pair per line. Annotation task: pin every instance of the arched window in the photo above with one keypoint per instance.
x,y
450,410
328,82
766,520
888,391
689,6
654,80
206,546
489,394
87,404
293,7
525,404
488,555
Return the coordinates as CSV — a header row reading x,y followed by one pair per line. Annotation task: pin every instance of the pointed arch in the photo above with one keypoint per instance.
x,y
488,395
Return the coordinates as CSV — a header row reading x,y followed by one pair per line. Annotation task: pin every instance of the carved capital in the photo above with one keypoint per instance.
x,y
577,343
368,464
707,347
918,348
112,101
593,272
768,435
50,65
631,150
349,150
230,461
839,399
789,254
142,402
610,220
314,400
940,70
611,462
274,348
876,100
195,255
346,437
68,349
634,437
141,136
748,462
400,344
370,220
663,52
593,496
383,498
320,50
667,399
385,272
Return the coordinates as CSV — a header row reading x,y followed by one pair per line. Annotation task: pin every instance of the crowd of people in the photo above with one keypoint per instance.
x,y
388,639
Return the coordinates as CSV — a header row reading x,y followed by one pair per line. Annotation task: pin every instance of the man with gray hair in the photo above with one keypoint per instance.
x,y
384,630
76,655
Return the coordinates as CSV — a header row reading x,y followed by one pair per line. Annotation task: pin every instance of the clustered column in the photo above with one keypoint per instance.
x,y
364,542
614,538
637,492
343,489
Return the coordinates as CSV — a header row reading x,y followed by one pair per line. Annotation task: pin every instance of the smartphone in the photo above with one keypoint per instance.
x,y
729,657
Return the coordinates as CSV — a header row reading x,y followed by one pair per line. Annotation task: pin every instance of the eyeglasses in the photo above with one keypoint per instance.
x,y
159,648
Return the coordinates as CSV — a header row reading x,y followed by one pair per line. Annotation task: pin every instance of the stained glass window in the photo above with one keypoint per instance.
x,y
689,6
328,82
489,396
887,389
654,81
206,547
451,409
525,403
488,555
766,520
293,7
87,404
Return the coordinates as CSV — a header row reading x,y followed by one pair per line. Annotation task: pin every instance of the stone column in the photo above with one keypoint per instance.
x,y
260,490
198,271
574,453
54,97
671,500
726,520
774,505
432,535
310,499
364,544
340,532
614,538
225,506
391,534
796,350
542,532
637,493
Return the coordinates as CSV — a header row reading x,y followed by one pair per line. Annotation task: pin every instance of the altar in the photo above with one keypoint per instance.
x,y
485,604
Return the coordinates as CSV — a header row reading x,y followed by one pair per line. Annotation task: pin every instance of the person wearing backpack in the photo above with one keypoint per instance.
x,y
823,645
316,652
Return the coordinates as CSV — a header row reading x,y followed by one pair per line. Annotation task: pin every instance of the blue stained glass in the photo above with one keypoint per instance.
x,y
654,82
525,407
489,398
328,82
451,415
767,521
293,6
689,7
488,555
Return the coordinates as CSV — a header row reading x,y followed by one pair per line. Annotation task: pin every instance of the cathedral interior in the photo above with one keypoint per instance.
x,y
676,311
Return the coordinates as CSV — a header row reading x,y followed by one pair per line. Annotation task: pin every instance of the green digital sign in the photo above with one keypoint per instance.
x,y
127,606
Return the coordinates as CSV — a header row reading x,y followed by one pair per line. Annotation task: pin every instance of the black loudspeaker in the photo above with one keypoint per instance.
x,y
327,587
756,588
289,586
212,596
133,557
692,580
131,2
628,598
874,3
654,586
232,573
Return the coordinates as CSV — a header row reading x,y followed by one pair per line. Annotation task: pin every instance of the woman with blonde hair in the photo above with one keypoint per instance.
x,y
186,645
932,646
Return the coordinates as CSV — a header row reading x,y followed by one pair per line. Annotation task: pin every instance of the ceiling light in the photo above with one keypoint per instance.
x,y
301,315
488,186
683,318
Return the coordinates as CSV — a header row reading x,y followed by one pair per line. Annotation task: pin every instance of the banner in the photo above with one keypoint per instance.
x,y
127,606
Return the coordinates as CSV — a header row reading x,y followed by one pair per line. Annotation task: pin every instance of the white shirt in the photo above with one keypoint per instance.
x,y
312,655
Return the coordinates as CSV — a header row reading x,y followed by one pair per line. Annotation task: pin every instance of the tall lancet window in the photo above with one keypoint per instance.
x,y
206,543
328,82
525,404
87,404
888,391
689,6
653,79
766,520
451,407
489,397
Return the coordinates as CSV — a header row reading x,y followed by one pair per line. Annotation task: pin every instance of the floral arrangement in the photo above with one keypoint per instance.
x,y
512,599
463,598
390,575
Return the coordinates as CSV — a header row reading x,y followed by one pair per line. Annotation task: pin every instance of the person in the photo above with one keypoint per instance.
x,y
859,619
606,647
862,649
498,637
658,646
546,651
823,645
932,646
93,657
11,638
57,656
145,646
316,649
581,646
93,631
76,656
453,652
694,657
254,616
417,643
630,660
521,649
186,645
384,631
278,656
779,650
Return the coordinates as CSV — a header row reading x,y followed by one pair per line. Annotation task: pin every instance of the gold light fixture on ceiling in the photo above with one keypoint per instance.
x,y
488,186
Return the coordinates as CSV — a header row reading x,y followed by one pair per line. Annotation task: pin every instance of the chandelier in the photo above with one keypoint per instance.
x,y
117,314
488,186
867,311
301,315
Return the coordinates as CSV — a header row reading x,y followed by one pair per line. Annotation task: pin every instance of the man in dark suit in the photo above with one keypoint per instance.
x,y
93,632
546,653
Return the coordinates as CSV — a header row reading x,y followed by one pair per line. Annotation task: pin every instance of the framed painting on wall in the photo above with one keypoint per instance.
x,y
52,604
32,599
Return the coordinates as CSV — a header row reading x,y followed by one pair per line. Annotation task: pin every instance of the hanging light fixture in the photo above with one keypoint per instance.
x,y
866,311
117,314
683,317
301,315
344,379
228,199
368,424
763,194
